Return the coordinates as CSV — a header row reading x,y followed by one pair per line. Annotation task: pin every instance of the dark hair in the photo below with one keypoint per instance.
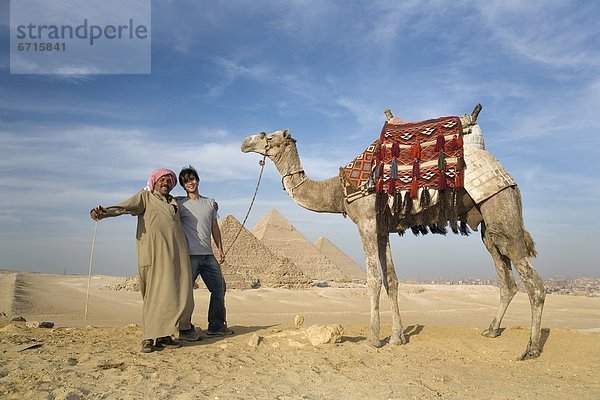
x,y
187,171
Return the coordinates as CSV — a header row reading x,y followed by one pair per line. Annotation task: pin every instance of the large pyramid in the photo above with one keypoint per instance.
x,y
249,262
276,233
340,259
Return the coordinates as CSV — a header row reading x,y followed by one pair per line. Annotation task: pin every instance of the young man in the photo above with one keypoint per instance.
x,y
199,222
163,259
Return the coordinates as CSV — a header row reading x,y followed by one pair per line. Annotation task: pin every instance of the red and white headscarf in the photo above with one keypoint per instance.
x,y
157,174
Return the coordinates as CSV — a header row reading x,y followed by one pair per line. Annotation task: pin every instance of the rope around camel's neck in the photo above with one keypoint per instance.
x,y
289,166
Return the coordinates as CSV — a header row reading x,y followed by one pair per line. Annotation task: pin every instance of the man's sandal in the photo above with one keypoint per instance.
x,y
167,342
147,346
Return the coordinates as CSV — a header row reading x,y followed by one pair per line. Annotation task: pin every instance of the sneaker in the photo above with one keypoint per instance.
x,y
147,346
190,335
224,331
167,342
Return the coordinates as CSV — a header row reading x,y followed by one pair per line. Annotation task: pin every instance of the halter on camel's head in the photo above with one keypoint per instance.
x,y
270,145
274,145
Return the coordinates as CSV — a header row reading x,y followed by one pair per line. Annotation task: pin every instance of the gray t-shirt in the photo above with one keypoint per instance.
x,y
196,221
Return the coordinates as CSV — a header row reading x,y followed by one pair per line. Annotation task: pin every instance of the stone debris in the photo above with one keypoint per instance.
x,y
298,320
131,284
296,344
36,324
255,340
27,346
18,318
323,334
109,365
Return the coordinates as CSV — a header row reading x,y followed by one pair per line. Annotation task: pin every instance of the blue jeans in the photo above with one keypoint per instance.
x,y
209,269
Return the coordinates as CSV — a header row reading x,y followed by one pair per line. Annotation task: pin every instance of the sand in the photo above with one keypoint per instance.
x,y
446,357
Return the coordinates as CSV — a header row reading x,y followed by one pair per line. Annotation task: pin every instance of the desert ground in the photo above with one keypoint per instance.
x,y
270,357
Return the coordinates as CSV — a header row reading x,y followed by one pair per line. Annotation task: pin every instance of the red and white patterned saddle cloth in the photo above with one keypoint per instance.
x,y
407,159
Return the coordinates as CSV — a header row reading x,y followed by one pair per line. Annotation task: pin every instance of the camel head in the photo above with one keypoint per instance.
x,y
270,145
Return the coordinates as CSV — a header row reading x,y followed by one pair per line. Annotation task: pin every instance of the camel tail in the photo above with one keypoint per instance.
x,y
530,244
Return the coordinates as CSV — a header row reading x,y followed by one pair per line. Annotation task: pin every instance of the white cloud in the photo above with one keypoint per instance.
x,y
555,33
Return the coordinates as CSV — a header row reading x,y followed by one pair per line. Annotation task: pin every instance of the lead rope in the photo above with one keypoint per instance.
x,y
87,296
262,167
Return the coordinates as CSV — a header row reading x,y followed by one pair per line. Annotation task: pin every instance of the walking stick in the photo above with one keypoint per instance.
x,y
87,296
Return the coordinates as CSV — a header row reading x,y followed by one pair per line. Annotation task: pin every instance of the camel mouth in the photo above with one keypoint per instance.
x,y
246,146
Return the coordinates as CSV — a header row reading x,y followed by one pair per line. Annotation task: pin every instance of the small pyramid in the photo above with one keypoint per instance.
x,y
277,234
340,259
248,263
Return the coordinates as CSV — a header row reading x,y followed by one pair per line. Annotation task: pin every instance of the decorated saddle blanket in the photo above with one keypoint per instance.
x,y
408,158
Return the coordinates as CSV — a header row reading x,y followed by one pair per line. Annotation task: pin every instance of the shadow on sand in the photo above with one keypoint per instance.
x,y
410,331
237,330
544,337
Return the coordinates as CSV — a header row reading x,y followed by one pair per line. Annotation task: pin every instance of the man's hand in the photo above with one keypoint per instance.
x,y
98,213
220,256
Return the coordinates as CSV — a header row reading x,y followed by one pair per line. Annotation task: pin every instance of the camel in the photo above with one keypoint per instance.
x,y
499,217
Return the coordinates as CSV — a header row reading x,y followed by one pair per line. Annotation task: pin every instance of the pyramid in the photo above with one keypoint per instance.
x,y
249,262
277,234
340,259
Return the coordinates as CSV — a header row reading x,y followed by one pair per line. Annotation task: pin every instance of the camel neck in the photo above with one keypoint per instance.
x,y
319,196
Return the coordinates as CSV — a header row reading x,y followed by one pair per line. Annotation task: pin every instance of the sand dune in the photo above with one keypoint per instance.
x,y
446,356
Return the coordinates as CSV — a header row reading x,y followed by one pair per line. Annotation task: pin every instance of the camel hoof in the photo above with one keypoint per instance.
x,y
397,341
374,342
529,355
491,333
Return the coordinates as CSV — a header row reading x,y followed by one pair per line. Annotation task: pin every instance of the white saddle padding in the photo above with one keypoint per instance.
x,y
474,137
484,175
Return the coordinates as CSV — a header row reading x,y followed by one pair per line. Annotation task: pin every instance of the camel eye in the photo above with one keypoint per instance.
x,y
262,135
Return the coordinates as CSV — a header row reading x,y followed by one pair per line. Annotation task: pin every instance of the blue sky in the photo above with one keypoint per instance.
x,y
222,70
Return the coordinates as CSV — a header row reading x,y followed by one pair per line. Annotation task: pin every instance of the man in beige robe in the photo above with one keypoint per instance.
x,y
163,261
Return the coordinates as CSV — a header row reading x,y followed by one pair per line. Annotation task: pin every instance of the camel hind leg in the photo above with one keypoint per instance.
x,y
506,282
537,294
506,235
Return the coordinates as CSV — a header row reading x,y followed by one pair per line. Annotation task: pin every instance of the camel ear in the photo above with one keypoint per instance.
x,y
286,134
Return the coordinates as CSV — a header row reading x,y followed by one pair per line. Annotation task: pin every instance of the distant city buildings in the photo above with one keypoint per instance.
x,y
576,286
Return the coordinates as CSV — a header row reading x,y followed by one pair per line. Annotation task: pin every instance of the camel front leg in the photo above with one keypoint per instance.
x,y
369,241
374,285
387,265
